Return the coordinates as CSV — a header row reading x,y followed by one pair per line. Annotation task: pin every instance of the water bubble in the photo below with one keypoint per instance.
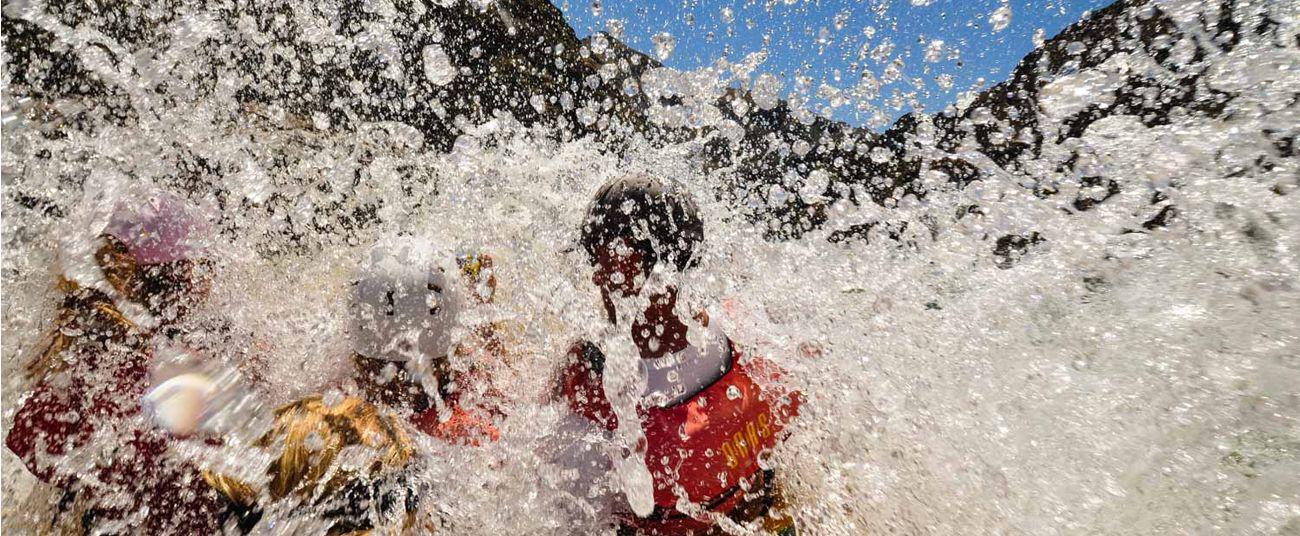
x,y
538,102
320,120
841,19
1001,18
599,44
934,51
664,43
438,68
615,27
766,91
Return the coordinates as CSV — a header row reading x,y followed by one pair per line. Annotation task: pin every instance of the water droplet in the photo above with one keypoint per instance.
x,y
438,69
599,44
1000,18
615,28
664,43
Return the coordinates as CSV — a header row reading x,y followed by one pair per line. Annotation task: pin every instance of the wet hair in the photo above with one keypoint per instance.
x,y
659,221
156,286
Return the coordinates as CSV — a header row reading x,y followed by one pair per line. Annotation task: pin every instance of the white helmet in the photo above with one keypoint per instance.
x,y
402,303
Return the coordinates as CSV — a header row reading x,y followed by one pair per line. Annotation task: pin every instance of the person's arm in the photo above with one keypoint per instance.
x,y
580,386
47,425
98,389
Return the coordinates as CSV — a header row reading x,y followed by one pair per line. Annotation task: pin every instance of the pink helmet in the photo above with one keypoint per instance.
x,y
158,227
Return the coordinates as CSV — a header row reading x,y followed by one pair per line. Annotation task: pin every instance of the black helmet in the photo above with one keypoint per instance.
x,y
659,221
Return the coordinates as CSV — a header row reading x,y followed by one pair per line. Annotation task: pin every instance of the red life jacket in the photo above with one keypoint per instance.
x,y
103,392
100,388
463,427
704,449
468,424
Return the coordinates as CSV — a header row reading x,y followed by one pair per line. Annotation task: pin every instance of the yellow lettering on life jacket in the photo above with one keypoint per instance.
x,y
751,432
746,441
731,455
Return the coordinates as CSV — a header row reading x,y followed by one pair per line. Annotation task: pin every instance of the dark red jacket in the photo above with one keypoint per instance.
x,y
95,396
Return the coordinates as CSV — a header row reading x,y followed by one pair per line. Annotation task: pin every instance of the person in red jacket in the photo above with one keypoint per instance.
x,y
406,302
404,310
709,412
81,427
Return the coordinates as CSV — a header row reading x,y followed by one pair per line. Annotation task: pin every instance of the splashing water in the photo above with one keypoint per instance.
x,y
1079,315
1001,18
665,43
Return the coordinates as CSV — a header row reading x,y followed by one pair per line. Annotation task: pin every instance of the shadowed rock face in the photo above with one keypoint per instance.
x,y
442,68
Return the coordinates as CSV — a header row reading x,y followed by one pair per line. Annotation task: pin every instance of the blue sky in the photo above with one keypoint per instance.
x,y
824,41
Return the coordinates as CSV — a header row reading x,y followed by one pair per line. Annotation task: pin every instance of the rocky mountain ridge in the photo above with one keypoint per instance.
x,y
439,67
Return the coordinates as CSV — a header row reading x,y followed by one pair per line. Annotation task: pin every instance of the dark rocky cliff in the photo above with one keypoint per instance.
x,y
520,57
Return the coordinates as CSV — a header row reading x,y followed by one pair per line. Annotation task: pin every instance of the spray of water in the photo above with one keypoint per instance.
x,y
1100,338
